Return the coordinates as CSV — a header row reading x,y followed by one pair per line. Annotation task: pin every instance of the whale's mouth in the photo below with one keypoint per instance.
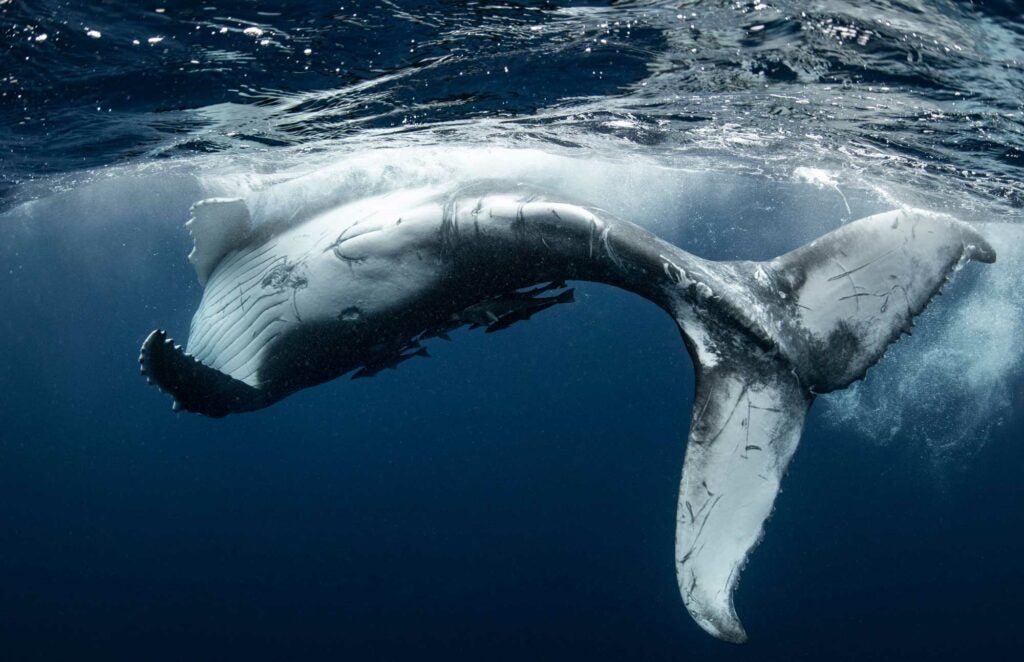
x,y
195,387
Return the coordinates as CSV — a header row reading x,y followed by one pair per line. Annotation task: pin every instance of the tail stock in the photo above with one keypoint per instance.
x,y
765,339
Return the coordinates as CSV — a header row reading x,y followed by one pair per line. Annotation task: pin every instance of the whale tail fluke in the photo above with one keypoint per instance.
x,y
856,290
765,341
744,431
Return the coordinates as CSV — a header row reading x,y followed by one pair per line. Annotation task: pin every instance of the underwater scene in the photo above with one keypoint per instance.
x,y
622,330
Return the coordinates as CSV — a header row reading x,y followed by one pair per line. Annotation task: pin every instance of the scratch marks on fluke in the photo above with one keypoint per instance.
x,y
863,266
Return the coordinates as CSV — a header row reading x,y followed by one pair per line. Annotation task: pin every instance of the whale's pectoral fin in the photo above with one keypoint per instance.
x,y
747,420
194,386
218,226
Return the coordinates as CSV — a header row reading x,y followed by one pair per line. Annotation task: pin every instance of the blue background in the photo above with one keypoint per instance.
x,y
514,496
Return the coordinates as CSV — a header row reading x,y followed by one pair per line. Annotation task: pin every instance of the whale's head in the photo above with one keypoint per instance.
x,y
285,309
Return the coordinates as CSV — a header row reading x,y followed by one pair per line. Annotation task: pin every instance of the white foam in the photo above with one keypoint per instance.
x,y
638,189
822,179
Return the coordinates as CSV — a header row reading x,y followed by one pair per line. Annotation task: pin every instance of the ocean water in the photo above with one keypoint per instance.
x,y
514,496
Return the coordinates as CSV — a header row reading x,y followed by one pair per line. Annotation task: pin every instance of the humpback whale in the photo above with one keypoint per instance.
x,y
362,287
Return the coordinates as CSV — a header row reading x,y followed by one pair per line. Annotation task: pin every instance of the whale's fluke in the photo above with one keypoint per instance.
x,y
857,289
745,429
775,335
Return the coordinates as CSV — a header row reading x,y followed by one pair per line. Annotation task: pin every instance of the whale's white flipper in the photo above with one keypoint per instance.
x,y
218,226
815,320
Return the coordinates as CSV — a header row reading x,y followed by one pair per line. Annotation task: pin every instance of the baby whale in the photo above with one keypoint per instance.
x,y
361,287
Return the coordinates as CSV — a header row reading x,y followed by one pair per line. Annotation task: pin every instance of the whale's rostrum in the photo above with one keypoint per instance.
x,y
362,287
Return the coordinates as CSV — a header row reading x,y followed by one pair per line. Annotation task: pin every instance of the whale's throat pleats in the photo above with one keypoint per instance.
x,y
248,302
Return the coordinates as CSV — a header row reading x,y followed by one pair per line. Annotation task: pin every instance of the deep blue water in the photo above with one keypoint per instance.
x,y
512,497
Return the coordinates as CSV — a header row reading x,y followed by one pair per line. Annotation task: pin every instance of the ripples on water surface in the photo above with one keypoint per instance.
x,y
927,94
